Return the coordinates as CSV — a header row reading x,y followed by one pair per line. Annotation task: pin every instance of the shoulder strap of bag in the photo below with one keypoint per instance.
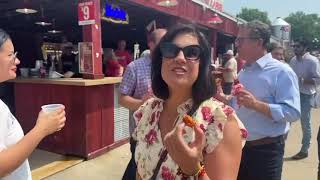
x,y
161,160
164,153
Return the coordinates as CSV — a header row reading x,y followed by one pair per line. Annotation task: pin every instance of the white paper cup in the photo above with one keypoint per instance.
x,y
51,107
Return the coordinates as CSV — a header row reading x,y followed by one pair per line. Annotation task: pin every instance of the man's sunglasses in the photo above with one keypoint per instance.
x,y
170,50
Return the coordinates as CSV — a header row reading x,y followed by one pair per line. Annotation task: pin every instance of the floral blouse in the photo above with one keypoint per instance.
x,y
211,115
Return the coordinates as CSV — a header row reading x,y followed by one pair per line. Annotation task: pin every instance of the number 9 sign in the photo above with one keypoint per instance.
x,y
86,13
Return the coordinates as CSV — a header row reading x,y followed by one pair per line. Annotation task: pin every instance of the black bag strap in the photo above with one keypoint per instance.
x,y
161,160
163,155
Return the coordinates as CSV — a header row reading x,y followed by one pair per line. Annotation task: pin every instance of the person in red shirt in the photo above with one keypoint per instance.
x,y
124,57
113,67
240,63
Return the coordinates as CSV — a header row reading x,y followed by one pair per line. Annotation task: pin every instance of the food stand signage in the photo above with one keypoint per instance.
x,y
212,4
86,65
115,14
86,13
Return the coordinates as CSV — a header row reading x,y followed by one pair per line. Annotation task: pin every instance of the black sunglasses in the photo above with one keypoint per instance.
x,y
170,50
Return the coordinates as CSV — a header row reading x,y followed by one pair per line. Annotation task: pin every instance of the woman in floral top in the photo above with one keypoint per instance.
x,y
182,82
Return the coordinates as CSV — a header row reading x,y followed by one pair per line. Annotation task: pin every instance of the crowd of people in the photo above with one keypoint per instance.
x,y
271,98
115,61
238,131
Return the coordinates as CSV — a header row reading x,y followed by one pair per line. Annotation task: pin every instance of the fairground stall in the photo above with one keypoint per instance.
x,y
44,32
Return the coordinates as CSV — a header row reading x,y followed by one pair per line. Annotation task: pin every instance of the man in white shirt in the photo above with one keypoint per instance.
x,y
229,72
307,69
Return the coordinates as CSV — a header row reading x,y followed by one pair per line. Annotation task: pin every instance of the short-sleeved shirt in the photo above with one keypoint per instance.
x,y
113,68
230,76
211,116
124,57
10,133
240,64
136,82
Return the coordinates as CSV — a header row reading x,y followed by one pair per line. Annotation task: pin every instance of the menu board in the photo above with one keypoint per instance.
x,y
86,65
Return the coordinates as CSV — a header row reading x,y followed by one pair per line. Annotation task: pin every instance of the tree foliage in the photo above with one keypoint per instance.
x,y
306,26
250,14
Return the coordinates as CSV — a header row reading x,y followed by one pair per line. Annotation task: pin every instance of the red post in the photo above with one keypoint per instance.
x,y
214,45
92,33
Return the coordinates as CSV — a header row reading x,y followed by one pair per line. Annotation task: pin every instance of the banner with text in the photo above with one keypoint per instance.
x,y
214,4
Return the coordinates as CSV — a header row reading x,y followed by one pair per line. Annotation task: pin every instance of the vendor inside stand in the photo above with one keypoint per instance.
x,y
69,61
122,54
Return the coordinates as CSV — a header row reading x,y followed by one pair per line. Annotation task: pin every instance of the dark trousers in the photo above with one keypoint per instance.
x,y
227,87
130,173
262,162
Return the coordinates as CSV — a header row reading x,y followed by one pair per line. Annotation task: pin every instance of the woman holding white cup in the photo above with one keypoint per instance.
x,y
14,146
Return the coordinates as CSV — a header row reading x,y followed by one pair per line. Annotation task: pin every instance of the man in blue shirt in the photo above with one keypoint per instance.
x,y
266,105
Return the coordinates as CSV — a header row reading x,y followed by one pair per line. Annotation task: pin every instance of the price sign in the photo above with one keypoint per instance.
x,y
86,13
86,58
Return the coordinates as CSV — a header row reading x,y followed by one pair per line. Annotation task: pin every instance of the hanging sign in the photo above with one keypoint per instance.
x,y
115,14
211,4
86,13
218,5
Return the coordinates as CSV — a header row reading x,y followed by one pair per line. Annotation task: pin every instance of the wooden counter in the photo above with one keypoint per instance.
x,y
70,81
90,111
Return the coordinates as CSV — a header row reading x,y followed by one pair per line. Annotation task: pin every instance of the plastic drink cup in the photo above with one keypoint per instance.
x,y
51,107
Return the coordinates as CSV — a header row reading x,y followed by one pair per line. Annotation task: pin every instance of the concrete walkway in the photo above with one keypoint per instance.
x,y
112,165
305,169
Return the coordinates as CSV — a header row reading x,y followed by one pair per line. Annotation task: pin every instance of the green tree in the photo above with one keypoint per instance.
x,y
249,14
305,26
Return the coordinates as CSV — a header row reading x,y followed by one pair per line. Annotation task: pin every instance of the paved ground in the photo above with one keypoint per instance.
x,y
112,164
304,169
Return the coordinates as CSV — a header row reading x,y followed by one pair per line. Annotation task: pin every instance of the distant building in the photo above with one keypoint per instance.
x,y
281,32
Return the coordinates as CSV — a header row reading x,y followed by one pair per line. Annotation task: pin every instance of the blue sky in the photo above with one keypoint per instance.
x,y
275,8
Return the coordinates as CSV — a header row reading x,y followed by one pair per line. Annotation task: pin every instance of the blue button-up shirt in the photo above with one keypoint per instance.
x,y
274,83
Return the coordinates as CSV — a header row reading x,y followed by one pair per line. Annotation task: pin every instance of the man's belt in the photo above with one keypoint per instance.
x,y
266,140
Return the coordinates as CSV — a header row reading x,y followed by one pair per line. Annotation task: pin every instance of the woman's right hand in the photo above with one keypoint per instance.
x,y
50,122
187,156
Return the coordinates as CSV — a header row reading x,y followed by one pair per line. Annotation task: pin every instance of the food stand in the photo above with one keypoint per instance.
x,y
95,120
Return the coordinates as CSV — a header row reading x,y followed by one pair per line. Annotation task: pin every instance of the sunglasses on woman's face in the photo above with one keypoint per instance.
x,y
170,50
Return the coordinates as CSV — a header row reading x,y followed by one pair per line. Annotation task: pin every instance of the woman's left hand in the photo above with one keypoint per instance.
x,y
187,156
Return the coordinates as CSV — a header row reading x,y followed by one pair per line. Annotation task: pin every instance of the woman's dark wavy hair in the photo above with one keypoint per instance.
x,y
4,36
203,88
